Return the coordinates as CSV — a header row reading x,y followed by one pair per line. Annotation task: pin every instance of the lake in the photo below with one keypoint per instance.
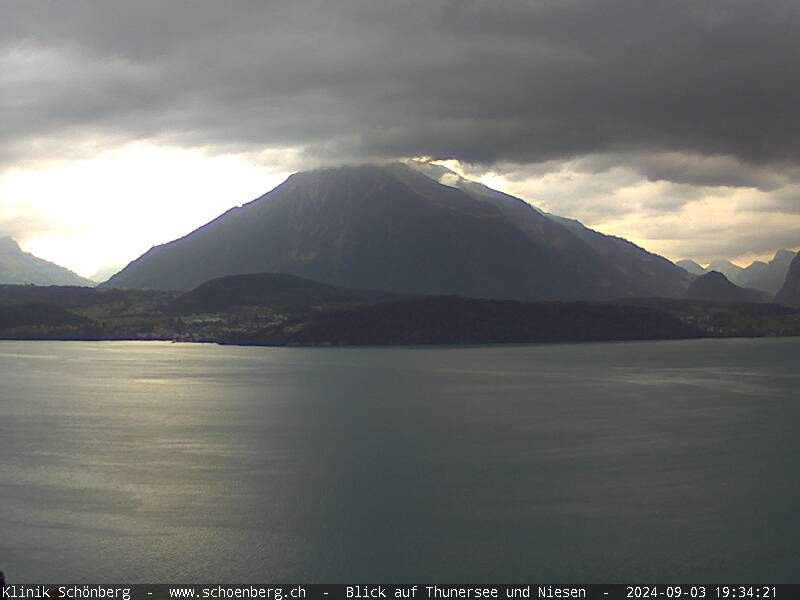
x,y
619,462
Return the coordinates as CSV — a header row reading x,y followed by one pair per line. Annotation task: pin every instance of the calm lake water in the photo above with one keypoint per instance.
x,y
149,462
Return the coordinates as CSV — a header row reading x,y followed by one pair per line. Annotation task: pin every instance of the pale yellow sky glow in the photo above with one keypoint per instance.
x,y
92,213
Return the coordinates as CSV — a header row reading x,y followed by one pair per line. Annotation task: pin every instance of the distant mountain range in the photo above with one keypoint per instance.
x,y
417,230
765,276
18,267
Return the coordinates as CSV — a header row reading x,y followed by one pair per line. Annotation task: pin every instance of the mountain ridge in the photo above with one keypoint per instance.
x,y
20,267
396,229
765,276
715,286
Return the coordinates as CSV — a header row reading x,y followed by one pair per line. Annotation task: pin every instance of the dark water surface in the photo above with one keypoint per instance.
x,y
654,462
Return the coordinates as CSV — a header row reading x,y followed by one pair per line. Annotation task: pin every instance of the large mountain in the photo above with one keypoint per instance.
x,y
396,228
714,286
789,294
18,267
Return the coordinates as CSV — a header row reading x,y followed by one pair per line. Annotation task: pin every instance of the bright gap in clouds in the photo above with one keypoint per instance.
x,y
105,211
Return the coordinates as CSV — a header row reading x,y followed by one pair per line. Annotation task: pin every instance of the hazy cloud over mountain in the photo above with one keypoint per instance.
x,y
698,95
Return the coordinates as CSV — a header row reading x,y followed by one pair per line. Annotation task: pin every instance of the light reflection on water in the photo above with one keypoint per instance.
x,y
662,461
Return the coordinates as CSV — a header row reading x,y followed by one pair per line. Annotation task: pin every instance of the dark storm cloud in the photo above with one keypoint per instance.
x,y
694,169
481,81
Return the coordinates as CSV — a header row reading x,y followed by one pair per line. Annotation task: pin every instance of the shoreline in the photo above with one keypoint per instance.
x,y
432,345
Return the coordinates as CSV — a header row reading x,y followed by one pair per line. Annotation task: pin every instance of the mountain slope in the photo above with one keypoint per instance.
x,y
18,267
715,286
789,294
393,228
633,270
764,276
647,274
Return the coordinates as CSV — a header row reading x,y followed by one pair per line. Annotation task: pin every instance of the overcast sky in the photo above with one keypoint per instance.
x,y
674,124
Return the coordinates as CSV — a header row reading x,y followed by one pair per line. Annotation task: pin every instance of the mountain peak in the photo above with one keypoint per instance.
x,y
691,266
716,277
9,243
717,287
783,256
